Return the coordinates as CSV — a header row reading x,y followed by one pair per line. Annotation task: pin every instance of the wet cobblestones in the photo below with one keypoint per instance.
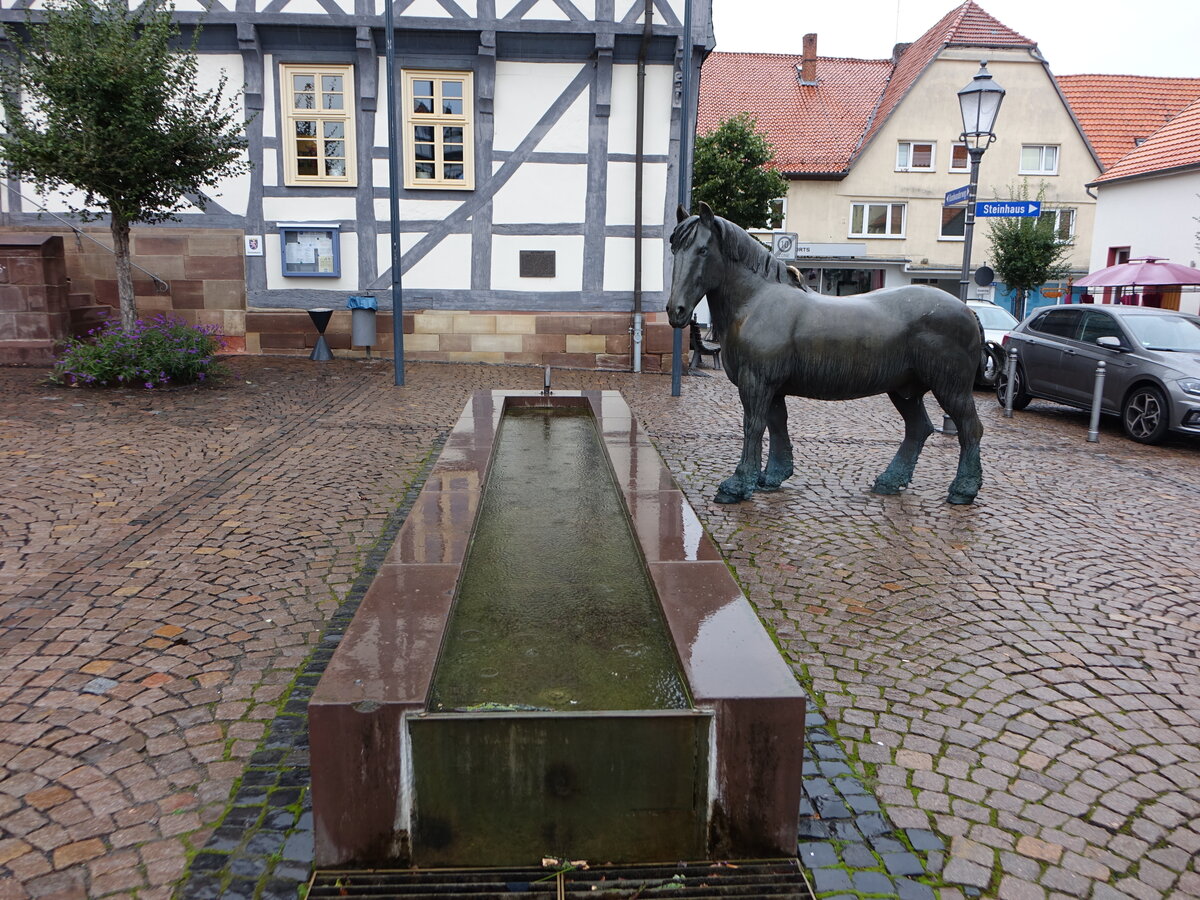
x,y
1006,695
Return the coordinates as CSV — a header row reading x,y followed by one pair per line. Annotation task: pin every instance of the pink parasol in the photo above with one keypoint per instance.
x,y
1149,270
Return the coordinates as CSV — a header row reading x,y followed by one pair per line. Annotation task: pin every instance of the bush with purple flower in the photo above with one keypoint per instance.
x,y
165,350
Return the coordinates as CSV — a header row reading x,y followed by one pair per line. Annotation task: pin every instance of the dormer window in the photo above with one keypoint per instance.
x,y
915,156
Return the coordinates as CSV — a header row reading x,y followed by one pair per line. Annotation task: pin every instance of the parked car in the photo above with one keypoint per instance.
x,y
1152,359
997,323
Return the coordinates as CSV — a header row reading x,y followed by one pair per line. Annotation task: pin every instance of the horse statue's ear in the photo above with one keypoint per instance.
x,y
706,213
680,213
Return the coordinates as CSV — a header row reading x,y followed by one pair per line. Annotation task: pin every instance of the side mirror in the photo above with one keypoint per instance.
x,y
1108,342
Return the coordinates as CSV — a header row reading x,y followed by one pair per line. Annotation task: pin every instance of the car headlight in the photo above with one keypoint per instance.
x,y
1190,386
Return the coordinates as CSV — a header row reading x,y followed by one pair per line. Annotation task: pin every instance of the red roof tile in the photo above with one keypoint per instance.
x,y
964,26
1116,111
818,129
1175,145
813,129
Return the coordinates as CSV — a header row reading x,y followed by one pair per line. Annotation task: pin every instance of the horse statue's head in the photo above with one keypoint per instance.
x,y
699,263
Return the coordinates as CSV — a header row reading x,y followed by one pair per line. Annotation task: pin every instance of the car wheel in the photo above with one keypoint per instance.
x,y
1021,398
1145,416
992,363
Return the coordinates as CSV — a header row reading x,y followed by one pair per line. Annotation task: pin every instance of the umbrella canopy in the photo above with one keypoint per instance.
x,y
1149,270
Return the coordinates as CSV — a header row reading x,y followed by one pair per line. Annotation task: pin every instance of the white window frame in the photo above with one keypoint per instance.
x,y
1058,212
778,210
942,236
438,122
906,149
865,215
1043,168
966,166
291,114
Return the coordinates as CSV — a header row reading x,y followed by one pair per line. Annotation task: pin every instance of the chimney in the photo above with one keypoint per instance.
x,y
808,63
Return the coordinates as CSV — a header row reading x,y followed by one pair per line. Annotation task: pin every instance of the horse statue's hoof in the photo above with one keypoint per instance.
x,y
882,486
722,497
960,499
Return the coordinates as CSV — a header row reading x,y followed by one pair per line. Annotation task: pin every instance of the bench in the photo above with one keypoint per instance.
x,y
703,344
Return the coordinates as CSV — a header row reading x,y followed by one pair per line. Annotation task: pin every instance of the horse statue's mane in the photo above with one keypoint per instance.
x,y
739,246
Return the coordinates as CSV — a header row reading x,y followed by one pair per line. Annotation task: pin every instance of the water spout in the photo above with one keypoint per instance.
x,y
546,383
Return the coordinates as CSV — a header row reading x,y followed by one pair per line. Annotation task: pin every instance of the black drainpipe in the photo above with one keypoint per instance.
x,y
639,162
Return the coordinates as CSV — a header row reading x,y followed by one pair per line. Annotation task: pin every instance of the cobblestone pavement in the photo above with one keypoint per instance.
x,y
1017,682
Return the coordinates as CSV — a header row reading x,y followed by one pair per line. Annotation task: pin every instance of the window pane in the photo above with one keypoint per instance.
x,y
423,151
856,219
423,133
306,129
336,167
306,148
452,152
922,156
335,129
902,156
954,220
958,157
331,83
331,101
303,84
452,107
454,172
422,88
897,218
335,148
1031,159
452,135
452,88
1066,224
424,170
876,219
1051,160
306,166
305,101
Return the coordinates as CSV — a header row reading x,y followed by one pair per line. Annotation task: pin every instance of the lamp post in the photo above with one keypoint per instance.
x,y
979,103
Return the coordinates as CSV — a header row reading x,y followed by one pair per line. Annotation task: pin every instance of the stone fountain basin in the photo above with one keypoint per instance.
x,y
395,784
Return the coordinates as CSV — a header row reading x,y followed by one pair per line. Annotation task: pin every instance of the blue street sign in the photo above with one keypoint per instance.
x,y
1008,208
957,196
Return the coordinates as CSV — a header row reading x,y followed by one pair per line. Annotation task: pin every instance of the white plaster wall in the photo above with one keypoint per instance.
x,y
618,264
524,91
276,280
233,194
447,266
1150,216
415,210
619,196
568,263
270,113
544,193
312,208
622,123
382,99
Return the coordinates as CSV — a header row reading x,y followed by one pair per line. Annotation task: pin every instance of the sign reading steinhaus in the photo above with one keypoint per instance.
x,y
1008,208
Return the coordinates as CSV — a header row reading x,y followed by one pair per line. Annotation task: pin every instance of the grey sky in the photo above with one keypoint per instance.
x,y
1151,37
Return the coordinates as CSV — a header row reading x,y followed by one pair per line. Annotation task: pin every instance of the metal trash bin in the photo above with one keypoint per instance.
x,y
362,321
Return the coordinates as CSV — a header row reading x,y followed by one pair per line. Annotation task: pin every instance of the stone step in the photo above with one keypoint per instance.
x,y
85,318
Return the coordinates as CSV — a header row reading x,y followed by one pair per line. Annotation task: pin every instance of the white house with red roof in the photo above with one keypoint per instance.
x,y
870,148
1150,205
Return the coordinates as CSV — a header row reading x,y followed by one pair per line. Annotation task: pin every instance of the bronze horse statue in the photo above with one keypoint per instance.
x,y
779,338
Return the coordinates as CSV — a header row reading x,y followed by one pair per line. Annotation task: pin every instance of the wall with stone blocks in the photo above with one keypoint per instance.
x,y
34,315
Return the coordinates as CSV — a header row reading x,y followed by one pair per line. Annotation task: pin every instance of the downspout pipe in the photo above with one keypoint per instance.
x,y
639,154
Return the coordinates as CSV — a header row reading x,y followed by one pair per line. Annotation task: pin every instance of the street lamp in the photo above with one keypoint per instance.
x,y
979,103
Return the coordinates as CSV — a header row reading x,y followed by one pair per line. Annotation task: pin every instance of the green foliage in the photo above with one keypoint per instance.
x,y
112,110
1025,251
730,174
151,354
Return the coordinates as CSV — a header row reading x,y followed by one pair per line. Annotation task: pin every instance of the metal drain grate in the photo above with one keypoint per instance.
x,y
753,878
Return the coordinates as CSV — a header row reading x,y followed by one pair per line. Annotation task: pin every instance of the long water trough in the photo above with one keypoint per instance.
x,y
553,660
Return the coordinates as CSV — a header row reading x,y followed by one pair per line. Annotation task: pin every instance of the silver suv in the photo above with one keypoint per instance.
x,y
1152,367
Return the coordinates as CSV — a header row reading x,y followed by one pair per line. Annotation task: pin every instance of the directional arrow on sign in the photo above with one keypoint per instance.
x,y
1000,208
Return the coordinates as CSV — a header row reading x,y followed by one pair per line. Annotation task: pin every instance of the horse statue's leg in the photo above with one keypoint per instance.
x,y
756,401
779,453
917,428
960,407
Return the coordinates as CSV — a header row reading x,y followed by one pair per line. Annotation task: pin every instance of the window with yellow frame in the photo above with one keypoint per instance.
x,y
318,126
438,131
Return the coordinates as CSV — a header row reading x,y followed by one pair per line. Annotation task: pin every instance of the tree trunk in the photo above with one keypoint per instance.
x,y
120,233
1019,304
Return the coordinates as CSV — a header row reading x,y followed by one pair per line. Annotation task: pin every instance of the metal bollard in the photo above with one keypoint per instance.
x,y
1010,374
1097,392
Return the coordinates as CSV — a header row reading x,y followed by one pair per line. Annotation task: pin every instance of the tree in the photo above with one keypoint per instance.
x,y
111,109
730,174
1028,251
